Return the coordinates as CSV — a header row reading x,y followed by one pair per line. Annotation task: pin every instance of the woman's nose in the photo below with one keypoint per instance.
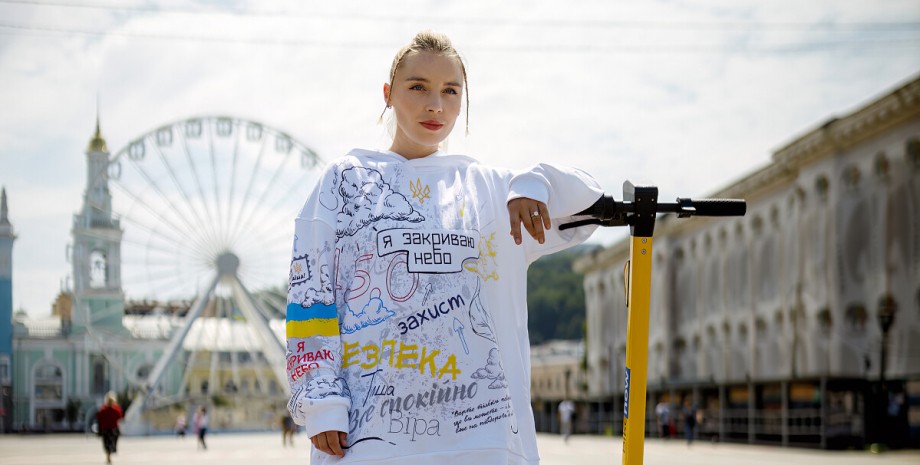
x,y
434,103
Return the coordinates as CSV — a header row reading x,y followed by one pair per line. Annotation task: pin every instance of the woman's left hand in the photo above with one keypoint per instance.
x,y
531,213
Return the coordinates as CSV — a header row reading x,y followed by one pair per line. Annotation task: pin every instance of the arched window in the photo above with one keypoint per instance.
x,y
912,152
98,269
144,371
100,375
48,383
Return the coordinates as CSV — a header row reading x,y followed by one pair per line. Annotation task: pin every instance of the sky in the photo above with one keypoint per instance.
x,y
690,95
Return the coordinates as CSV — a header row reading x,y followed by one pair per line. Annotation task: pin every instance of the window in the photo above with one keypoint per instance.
x,y
48,382
48,372
100,375
97,270
144,371
912,152
4,369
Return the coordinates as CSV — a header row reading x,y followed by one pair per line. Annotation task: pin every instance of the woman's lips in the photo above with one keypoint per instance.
x,y
432,125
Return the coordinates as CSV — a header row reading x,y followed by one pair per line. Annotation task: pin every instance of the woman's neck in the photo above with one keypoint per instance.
x,y
411,153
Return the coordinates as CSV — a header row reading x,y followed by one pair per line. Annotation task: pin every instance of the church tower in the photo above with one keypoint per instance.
x,y
6,291
99,300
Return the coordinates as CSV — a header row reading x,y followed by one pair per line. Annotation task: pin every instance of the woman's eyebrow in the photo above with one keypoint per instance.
x,y
425,80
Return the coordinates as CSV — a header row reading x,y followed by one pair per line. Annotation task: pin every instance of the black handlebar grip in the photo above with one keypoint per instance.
x,y
719,207
603,209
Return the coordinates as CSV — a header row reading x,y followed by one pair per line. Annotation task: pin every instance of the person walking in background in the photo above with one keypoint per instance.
x,y
180,425
663,414
107,421
201,425
689,414
566,410
288,428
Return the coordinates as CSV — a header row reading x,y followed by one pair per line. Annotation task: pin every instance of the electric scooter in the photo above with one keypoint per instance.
x,y
638,210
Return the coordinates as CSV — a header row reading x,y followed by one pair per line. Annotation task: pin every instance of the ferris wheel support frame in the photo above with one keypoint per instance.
x,y
132,422
273,349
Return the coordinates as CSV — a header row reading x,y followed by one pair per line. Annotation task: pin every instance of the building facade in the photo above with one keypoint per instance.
x,y
6,313
557,373
54,371
798,323
63,365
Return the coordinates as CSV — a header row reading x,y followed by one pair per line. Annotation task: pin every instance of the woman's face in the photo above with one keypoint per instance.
x,y
425,96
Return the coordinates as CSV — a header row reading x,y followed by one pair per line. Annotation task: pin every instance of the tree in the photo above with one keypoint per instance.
x,y
556,297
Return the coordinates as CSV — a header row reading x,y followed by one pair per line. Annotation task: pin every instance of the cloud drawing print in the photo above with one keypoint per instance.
x,y
367,199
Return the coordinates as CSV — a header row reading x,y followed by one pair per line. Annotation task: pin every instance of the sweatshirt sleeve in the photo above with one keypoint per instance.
x,y
565,191
319,396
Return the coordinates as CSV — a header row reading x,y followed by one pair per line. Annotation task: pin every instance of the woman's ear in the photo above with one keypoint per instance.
x,y
386,94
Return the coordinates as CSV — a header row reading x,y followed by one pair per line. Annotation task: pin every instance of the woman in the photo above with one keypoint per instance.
x,y
406,319
180,425
107,420
201,425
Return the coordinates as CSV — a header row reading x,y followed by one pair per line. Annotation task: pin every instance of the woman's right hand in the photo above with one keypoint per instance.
x,y
331,442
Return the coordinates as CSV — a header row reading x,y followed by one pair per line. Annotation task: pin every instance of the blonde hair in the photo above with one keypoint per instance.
x,y
431,42
110,399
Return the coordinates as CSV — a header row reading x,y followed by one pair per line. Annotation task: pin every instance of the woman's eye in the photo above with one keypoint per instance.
x,y
451,90
417,87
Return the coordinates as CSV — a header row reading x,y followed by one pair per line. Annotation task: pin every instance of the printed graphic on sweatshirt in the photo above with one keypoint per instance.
x,y
300,360
312,311
485,266
318,319
366,199
430,313
480,318
373,313
415,349
458,330
420,192
301,277
401,283
300,271
493,371
317,388
429,250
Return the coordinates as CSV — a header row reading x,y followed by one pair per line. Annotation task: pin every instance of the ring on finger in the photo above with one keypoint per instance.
x,y
535,214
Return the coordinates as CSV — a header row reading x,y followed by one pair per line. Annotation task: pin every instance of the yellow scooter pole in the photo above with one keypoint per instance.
x,y
639,209
638,298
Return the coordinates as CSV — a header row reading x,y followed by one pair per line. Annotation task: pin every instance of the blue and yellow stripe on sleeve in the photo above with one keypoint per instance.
x,y
316,320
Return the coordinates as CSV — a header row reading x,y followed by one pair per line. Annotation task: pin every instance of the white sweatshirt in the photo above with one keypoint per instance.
x,y
407,312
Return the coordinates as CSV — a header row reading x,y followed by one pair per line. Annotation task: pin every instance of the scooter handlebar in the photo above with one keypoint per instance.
x,y
705,207
609,212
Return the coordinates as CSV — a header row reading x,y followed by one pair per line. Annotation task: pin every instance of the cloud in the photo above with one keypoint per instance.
x,y
493,370
612,87
368,199
325,294
373,313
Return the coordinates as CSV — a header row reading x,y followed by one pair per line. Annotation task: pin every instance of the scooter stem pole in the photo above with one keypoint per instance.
x,y
642,225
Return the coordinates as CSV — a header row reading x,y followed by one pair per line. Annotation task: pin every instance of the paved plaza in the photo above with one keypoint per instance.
x,y
266,449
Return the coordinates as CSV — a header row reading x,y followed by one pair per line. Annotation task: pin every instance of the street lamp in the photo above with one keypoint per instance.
x,y
568,375
887,307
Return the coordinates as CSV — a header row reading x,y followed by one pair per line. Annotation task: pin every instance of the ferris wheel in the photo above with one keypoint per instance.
x,y
202,193
206,208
